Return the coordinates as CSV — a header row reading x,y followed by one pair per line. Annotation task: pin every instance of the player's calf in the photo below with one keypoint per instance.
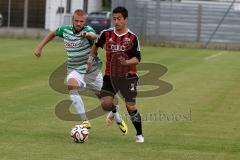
x,y
137,122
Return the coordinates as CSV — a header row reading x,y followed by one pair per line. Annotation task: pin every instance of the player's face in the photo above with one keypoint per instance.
x,y
78,22
119,21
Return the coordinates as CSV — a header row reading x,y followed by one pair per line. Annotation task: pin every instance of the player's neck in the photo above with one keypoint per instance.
x,y
121,31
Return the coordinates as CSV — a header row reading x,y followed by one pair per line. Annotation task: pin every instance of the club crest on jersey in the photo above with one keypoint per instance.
x,y
126,41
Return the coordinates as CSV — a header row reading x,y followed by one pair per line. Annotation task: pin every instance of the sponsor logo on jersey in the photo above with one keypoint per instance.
x,y
74,43
124,46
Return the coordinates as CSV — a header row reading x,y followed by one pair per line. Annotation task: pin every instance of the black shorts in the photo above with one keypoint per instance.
x,y
126,85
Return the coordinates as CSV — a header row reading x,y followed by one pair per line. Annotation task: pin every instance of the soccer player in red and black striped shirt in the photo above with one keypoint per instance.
x,y
122,56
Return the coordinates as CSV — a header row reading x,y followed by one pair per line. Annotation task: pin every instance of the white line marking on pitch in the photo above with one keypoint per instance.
x,y
214,56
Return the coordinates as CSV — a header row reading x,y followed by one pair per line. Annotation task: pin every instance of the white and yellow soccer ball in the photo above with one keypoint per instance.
x,y
79,134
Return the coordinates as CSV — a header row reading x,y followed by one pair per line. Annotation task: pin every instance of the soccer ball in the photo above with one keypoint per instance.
x,y
79,134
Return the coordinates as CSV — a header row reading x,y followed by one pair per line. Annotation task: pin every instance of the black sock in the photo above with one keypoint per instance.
x,y
136,120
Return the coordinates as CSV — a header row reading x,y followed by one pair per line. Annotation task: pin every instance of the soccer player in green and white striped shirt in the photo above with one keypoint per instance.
x,y
78,40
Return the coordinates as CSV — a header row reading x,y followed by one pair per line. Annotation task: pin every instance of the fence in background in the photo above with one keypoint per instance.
x,y
155,21
185,21
23,13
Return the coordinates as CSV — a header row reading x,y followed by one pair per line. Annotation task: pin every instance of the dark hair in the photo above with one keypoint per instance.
x,y
122,10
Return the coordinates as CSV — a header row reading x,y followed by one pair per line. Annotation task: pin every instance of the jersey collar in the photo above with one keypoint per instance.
x,y
119,35
76,32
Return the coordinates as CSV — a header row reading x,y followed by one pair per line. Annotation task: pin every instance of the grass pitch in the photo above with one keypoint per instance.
x,y
197,120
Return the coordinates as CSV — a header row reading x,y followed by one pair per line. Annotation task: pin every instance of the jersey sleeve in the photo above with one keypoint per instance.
x,y
90,29
136,49
101,40
59,31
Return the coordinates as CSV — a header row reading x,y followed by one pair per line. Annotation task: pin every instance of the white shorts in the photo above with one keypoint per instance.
x,y
92,81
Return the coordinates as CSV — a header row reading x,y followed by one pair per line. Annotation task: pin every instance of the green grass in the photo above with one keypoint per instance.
x,y
205,82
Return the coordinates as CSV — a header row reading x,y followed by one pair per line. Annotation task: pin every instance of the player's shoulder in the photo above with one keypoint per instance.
x,y
132,33
109,30
65,28
68,27
87,27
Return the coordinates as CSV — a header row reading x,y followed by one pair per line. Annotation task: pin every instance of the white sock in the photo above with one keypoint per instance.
x,y
117,117
78,103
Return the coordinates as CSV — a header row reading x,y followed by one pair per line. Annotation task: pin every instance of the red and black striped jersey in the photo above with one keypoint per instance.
x,y
125,45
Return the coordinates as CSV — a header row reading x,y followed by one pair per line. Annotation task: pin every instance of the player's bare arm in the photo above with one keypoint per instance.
x,y
129,62
45,40
93,53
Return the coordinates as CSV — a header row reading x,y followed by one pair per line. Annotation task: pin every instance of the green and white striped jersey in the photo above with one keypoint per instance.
x,y
78,48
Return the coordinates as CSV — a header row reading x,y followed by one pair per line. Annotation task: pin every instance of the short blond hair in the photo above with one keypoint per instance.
x,y
79,12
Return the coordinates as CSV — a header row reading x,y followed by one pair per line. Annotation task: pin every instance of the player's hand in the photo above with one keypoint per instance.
x,y
38,52
82,34
123,61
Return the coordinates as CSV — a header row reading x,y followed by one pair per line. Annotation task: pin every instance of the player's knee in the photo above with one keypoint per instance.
x,y
72,84
70,87
107,103
107,106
